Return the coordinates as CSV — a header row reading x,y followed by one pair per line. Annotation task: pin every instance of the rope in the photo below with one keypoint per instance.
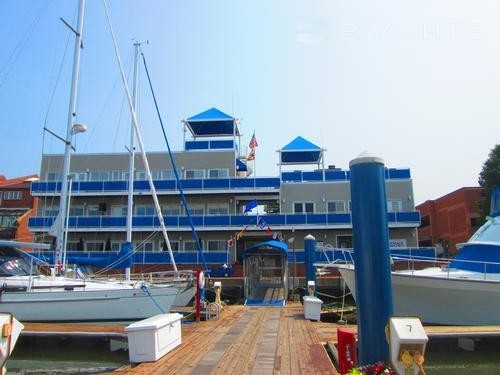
x,y
145,289
176,173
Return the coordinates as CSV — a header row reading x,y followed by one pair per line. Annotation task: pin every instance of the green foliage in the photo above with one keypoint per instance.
x,y
489,178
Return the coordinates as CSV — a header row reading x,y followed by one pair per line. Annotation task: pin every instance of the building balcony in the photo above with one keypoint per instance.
x,y
221,222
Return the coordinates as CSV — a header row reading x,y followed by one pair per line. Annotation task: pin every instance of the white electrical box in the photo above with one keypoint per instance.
x,y
152,338
407,337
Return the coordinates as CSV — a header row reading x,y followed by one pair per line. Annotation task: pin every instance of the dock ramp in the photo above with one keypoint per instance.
x,y
266,271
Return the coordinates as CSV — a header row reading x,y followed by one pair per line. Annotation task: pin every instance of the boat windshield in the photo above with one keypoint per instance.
x,y
489,232
13,264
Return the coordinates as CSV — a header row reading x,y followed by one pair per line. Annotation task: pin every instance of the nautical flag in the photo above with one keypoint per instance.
x,y
230,242
251,155
250,206
253,142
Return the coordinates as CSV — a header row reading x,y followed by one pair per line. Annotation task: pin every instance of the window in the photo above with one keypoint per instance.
x,y
425,221
192,174
76,211
303,207
8,221
98,176
190,246
218,210
12,195
51,211
170,210
73,246
116,175
143,246
167,174
394,205
118,210
197,210
140,175
79,176
115,246
145,210
218,173
54,176
93,210
95,246
155,174
336,206
217,245
125,176
175,245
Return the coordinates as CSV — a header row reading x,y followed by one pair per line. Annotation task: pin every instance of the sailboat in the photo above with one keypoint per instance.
x,y
32,296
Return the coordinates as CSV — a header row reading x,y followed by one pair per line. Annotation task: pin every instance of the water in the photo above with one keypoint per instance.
x,y
37,355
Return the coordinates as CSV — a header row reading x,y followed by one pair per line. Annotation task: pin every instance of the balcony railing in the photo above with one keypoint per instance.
x,y
41,223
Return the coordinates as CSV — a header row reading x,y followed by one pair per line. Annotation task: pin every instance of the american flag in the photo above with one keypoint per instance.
x,y
253,142
251,155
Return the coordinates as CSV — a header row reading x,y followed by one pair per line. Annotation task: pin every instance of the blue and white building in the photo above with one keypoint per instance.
x,y
305,197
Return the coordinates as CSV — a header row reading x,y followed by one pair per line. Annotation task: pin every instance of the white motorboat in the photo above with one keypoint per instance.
x,y
462,291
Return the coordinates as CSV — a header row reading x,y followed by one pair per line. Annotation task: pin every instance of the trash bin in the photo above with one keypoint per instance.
x,y
312,307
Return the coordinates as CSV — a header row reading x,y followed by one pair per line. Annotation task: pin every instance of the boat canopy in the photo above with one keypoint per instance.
x,y
271,246
300,151
212,123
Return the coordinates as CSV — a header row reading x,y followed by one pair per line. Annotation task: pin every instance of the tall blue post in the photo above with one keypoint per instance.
x,y
309,258
371,257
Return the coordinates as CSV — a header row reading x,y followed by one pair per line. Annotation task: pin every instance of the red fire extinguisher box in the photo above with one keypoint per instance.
x,y
346,345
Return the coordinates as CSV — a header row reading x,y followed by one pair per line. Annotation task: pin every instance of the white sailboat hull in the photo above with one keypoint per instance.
x,y
440,298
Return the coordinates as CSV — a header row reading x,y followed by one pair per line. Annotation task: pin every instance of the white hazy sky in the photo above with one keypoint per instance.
x,y
415,82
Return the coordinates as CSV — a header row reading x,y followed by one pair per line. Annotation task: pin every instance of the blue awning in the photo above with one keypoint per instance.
x,y
300,151
268,246
212,123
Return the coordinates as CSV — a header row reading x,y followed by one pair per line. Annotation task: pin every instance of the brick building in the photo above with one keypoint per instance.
x,y
450,219
16,206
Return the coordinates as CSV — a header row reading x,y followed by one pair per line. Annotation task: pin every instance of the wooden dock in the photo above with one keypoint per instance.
x,y
247,340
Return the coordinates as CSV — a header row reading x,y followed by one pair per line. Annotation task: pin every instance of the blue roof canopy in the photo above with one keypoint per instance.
x,y
268,246
212,123
300,151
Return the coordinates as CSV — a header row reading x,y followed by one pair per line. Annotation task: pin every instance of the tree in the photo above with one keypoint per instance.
x,y
489,178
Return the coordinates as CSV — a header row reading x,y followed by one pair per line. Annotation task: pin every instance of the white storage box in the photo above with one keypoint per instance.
x,y
312,307
152,338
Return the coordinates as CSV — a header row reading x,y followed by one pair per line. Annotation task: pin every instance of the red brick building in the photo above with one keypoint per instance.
x,y
450,219
16,206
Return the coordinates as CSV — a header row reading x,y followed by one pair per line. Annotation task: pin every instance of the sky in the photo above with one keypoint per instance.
x,y
414,82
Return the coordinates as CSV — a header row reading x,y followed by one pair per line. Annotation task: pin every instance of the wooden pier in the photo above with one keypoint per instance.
x,y
248,340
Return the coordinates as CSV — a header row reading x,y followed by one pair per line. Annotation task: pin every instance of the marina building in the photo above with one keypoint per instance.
x,y
230,208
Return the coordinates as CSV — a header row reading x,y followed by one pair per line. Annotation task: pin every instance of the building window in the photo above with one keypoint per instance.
x,y
115,246
193,174
394,205
218,173
78,176
145,210
170,210
98,176
425,221
167,174
190,246
12,195
303,207
116,175
118,210
218,210
93,210
143,246
140,175
76,211
336,206
197,210
125,175
54,176
95,245
175,245
51,211
217,245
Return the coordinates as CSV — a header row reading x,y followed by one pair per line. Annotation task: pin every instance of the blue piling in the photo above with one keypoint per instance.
x,y
309,258
371,257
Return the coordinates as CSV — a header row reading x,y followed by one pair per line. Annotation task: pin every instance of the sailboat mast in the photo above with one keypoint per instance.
x,y
69,132
131,164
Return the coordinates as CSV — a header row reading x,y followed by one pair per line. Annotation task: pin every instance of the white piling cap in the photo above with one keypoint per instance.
x,y
309,237
366,157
